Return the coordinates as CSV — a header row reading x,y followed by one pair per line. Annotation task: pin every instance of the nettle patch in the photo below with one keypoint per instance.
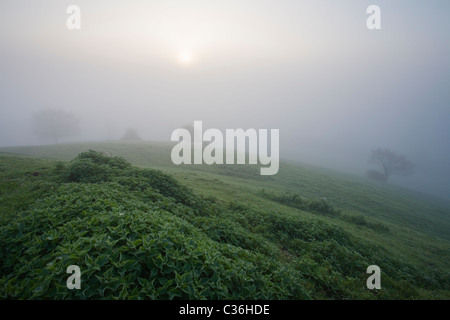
x,y
139,234
111,223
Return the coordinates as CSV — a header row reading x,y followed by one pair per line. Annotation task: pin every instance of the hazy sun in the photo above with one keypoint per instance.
x,y
185,57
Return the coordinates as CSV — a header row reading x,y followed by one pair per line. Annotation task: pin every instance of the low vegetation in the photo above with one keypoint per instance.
x,y
323,206
142,234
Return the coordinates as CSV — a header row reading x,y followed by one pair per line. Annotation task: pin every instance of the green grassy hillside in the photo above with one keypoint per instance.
x,y
205,232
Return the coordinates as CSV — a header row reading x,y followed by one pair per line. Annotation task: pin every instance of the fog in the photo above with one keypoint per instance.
x,y
311,69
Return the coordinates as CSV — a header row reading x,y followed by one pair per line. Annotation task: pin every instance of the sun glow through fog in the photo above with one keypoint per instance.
x,y
185,57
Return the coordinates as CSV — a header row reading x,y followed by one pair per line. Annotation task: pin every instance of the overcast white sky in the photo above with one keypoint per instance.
x,y
312,69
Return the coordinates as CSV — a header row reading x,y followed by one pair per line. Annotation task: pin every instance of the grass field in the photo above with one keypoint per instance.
x,y
155,230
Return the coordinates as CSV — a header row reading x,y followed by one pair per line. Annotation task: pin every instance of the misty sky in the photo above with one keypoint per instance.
x,y
312,69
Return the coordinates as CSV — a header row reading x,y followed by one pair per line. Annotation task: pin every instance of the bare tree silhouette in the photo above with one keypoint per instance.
x,y
55,124
390,163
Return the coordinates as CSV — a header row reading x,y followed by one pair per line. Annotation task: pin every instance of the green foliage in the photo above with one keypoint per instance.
x,y
168,187
296,201
127,250
141,234
363,221
103,159
322,206
93,167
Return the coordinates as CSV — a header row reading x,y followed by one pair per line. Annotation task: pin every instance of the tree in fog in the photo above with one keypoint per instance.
x,y
55,124
131,135
390,163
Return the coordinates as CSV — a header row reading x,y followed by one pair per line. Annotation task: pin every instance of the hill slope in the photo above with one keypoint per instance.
x,y
236,235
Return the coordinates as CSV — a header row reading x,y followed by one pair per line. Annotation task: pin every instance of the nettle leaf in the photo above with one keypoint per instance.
x,y
101,260
163,281
130,265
